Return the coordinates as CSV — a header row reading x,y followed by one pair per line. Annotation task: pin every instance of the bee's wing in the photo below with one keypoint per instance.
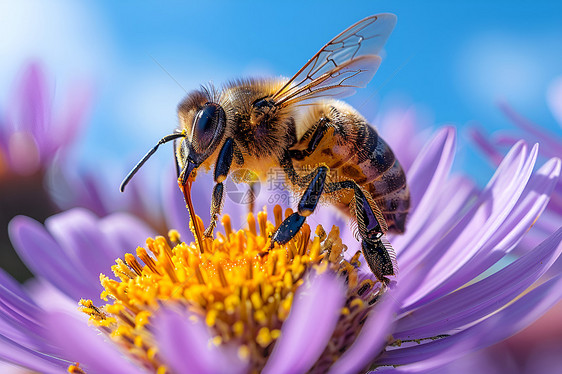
x,y
346,62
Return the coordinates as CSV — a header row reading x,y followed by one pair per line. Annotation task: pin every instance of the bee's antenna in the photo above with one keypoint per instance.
x,y
165,139
170,75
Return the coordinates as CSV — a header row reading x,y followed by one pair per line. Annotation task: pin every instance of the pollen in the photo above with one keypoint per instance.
x,y
238,286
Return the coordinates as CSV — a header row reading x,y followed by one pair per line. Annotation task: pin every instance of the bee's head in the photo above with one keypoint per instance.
x,y
203,122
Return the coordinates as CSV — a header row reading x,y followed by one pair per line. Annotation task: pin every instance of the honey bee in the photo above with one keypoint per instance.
x,y
324,146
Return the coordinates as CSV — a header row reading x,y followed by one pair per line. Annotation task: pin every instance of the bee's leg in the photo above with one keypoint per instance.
x,y
178,167
216,208
251,197
292,224
321,129
371,225
222,168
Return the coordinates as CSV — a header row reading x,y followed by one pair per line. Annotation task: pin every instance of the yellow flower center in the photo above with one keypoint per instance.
x,y
241,288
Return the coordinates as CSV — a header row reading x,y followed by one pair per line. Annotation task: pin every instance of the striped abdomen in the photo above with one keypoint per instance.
x,y
354,150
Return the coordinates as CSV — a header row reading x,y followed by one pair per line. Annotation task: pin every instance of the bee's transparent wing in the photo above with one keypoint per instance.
x,y
346,62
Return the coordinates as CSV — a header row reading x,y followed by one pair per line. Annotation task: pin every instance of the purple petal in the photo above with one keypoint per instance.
x,y
427,175
531,204
32,106
430,169
22,153
92,245
371,339
376,330
480,299
80,343
16,323
478,362
549,141
310,324
521,313
78,234
500,326
461,243
125,233
444,214
32,359
45,258
30,117
10,285
433,164
49,298
186,345
18,314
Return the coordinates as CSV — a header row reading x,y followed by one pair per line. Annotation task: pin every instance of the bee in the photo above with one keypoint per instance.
x,y
324,146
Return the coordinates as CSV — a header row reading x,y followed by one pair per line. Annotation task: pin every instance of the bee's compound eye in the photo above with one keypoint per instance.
x,y
208,122
205,118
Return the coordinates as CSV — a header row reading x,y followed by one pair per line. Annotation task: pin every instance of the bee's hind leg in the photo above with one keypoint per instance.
x,y
292,224
222,168
371,226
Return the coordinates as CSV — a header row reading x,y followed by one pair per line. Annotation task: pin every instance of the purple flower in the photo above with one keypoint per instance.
x,y
550,146
32,137
312,306
30,133
157,201
538,346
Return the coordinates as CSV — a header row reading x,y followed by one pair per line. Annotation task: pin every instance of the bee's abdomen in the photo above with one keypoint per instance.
x,y
374,167
354,150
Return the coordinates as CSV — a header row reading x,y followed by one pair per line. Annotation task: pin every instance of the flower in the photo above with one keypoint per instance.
x,y
551,146
31,139
98,192
544,336
441,306
243,291
30,135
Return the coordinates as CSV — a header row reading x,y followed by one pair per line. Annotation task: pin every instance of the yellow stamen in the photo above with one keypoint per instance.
x,y
278,214
237,285
174,236
133,263
75,369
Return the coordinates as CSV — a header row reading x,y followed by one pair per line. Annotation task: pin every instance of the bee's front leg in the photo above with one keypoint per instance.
x,y
292,224
222,168
252,197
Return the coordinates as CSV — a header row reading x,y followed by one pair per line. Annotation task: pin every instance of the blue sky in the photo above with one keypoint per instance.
x,y
451,60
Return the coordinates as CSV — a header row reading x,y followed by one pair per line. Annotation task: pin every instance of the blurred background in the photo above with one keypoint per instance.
x,y
452,61
127,64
